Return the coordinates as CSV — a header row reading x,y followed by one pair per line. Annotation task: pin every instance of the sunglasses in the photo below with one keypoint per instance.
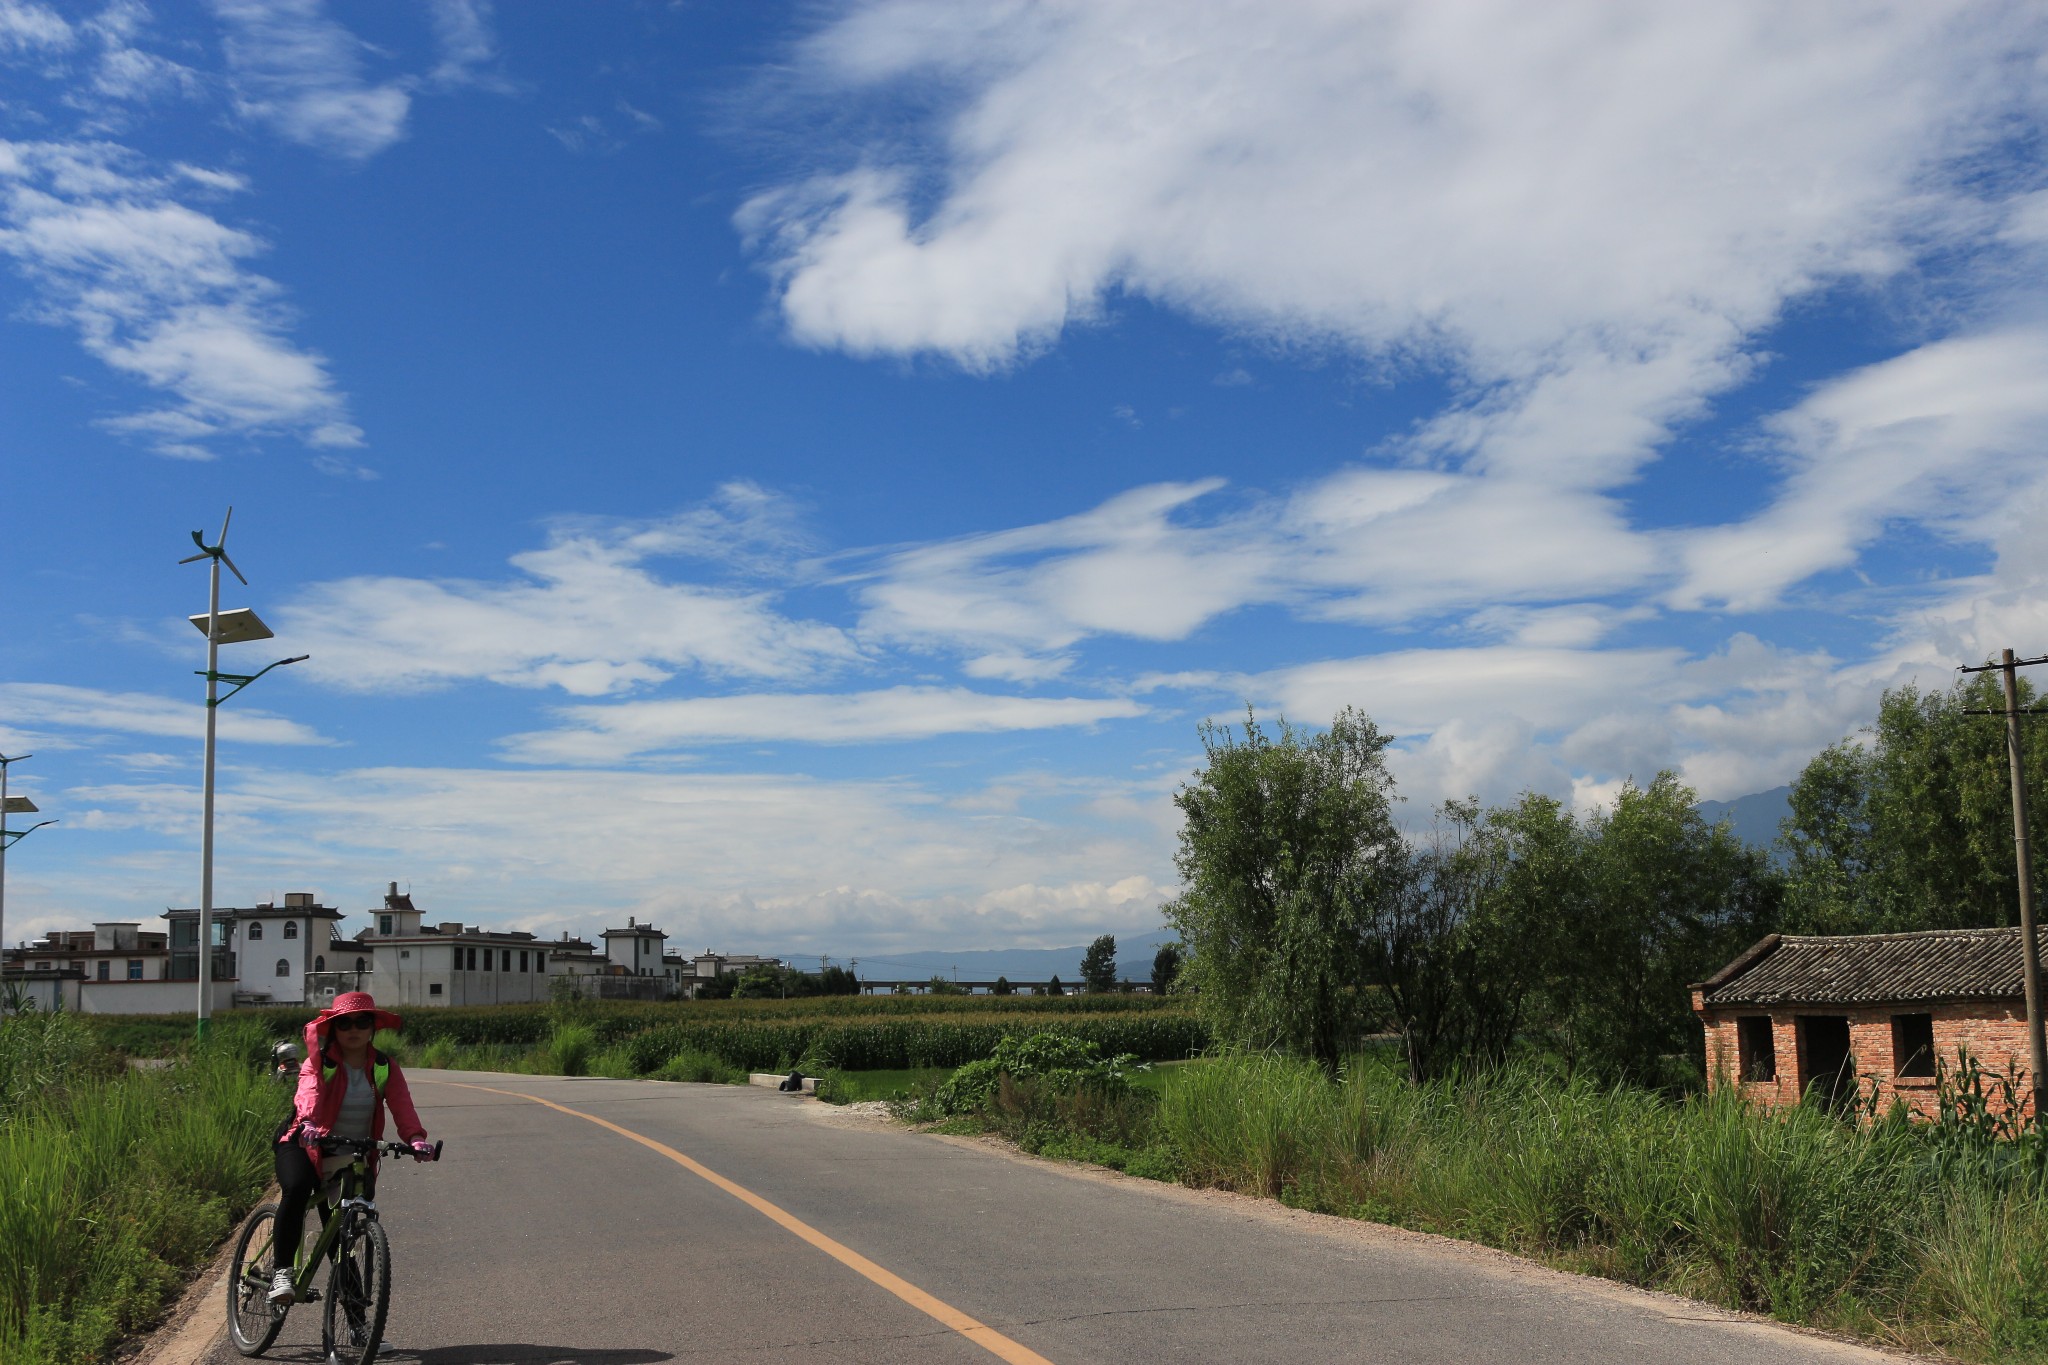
x,y
355,1021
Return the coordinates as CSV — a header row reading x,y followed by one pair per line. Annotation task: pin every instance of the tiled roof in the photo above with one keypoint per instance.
x,y
1874,969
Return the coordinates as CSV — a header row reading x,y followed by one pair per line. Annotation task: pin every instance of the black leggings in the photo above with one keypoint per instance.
x,y
296,1182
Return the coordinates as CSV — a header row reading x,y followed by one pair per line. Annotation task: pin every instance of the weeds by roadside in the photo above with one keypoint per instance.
x,y
1928,1236
116,1184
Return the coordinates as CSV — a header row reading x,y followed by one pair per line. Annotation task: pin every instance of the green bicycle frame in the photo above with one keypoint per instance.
x,y
331,1216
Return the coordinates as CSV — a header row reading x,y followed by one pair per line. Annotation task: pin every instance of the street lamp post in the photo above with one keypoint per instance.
x,y
220,628
12,805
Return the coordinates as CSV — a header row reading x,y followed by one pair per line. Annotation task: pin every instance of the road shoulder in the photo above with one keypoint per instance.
x,y
1520,1269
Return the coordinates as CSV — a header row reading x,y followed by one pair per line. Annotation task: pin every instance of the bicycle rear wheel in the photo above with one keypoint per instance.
x,y
358,1294
253,1320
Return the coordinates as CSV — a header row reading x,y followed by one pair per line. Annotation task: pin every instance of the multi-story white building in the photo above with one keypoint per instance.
x,y
268,950
115,967
403,962
637,948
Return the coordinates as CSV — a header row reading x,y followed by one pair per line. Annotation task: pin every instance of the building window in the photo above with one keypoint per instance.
x,y
361,966
404,953
522,959
383,924
284,968
1913,1045
291,928
134,969
469,959
255,930
106,970
1758,1048
540,962
319,964
433,988
487,959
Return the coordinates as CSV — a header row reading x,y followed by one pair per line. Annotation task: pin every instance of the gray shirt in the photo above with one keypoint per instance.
x,y
357,1104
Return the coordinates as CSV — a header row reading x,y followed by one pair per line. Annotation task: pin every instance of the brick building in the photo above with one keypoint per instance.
x,y
1844,1012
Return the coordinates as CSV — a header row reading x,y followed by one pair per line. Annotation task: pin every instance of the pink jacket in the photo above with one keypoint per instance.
x,y
322,1086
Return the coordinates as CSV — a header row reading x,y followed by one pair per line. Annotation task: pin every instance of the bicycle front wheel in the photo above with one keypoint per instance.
x,y
253,1320
358,1295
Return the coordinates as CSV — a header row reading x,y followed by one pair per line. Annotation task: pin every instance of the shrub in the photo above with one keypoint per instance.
x,y
42,1051
568,1050
689,1065
1055,1062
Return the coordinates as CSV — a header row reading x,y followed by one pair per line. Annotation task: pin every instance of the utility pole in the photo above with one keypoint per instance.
x,y
2030,951
12,805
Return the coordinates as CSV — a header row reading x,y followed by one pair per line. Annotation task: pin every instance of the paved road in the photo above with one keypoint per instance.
x,y
544,1237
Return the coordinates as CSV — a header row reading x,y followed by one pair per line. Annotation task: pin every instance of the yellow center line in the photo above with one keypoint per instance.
x,y
976,1331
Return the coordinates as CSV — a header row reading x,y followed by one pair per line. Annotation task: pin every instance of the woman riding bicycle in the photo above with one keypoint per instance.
x,y
344,1085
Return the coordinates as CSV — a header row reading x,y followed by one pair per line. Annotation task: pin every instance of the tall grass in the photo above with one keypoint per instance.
x,y
1792,1213
148,1035
114,1187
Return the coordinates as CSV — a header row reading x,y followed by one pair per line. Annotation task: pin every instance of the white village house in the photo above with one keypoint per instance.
x,y
404,962
293,953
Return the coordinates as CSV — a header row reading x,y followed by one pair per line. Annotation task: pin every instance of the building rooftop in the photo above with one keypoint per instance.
x,y
1874,969
263,910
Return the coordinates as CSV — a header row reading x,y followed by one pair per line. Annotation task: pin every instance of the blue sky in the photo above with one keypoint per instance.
x,y
801,472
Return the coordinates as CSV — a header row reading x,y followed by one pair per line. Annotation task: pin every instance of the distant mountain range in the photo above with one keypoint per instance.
x,y
1133,961
1753,818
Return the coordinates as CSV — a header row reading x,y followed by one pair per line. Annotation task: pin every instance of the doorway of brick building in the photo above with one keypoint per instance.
x,y
1827,1069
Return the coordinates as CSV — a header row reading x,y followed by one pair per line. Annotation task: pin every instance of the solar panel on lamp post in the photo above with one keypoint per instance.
x,y
220,628
12,805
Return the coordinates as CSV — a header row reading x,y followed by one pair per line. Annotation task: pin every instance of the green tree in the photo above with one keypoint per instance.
x,y
1470,953
1052,987
939,985
1098,966
1165,968
1002,987
758,983
1910,826
1288,849
1668,899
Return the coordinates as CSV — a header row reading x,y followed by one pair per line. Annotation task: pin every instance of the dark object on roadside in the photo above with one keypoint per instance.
x,y
793,1081
284,1063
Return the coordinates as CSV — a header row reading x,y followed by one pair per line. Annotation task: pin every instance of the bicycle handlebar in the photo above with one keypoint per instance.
x,y
371,1146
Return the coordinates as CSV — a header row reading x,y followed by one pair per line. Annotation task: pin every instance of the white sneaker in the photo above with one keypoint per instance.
x,y
281,1287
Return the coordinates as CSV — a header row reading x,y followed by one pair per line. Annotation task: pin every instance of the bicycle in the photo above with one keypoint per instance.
x,y
352,1240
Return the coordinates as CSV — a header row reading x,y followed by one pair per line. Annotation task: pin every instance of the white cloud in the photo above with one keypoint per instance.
x,y
157,290
1582,211
609,734
26,26
744,862
1947,435
1122,568
123,71
463,29
1497,720
586,613
1367,545
142,713
300,72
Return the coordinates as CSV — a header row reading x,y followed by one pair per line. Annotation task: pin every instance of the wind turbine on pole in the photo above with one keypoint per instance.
x,y
220,627
12,805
